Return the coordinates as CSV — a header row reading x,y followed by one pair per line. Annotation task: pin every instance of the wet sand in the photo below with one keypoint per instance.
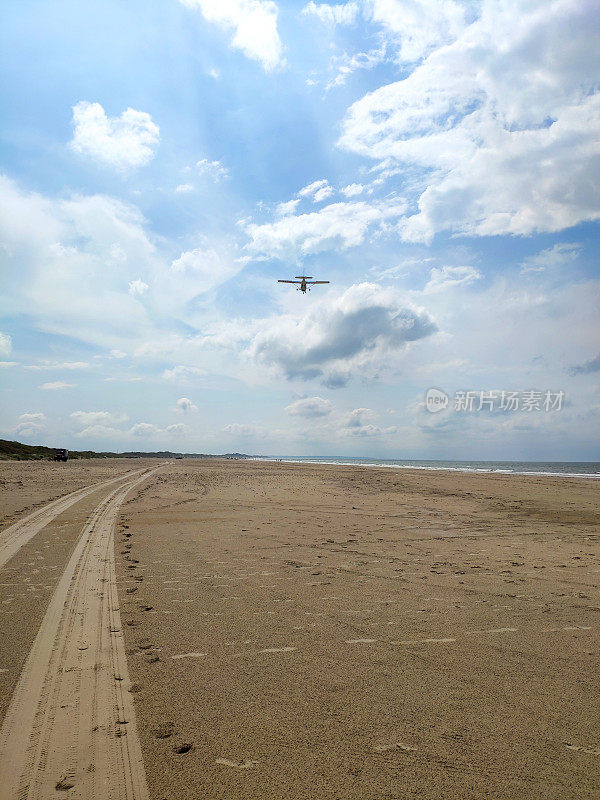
x,y
313,632
299,631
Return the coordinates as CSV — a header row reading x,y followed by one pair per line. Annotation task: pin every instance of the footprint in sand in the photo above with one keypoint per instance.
x,y
593,751
360,641
189,655
445,640
244,764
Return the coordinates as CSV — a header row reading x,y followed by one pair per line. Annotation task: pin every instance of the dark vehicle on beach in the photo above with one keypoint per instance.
x,y
60,454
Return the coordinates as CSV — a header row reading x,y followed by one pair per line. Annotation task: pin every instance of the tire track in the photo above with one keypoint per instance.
x,y
18,534
71,721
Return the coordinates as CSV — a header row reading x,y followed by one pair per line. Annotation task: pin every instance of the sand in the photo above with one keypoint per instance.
x,y
299,631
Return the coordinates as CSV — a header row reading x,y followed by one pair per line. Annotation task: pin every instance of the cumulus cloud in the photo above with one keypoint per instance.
x,y
36,417
30,425
184,188
178,429
88,418
144,429
501,121
336,226
53,385
253,24
340,335
123,142
310,407
185,406
5,344
360,422
443,278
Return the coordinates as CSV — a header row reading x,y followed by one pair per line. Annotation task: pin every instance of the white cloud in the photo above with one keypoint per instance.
x,y
214,169
345,65
33,417
61,265
353,189
355,333
184,188
254,26
124,142
5,344
144,429
443,278
181,373
419,26
30,425
201,261
338,14
178,429
88,418
310,407
137,287
55,365
185,406
312,188
322,194
556,257
336,226
415,27
501,123
287,208
100,432
241,429
200,270
359,423
54,385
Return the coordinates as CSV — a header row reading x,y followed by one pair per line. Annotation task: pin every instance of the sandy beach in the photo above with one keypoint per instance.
x,y
316,632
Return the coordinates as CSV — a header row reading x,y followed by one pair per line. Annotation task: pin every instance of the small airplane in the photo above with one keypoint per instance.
x,y
305,282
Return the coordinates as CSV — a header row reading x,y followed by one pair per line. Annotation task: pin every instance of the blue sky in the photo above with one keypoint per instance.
x,y
162,164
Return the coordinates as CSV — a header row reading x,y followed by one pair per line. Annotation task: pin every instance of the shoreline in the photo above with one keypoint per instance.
x,y
379,463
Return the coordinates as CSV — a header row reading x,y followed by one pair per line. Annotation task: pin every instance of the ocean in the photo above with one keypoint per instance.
x,y
569,469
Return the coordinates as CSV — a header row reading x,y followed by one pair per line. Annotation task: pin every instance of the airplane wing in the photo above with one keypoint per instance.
x,y
313,282
280,281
